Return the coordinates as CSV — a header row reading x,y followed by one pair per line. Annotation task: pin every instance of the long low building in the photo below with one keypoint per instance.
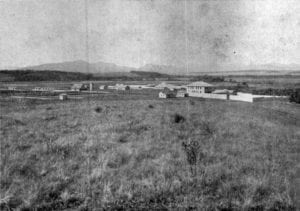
x,y
171,87
204,90
43,89
119,87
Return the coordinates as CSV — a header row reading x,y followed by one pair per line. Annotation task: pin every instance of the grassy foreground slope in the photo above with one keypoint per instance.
x,y
148,154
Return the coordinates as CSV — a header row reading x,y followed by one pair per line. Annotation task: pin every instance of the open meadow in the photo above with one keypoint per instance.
x,y
121,105
121,153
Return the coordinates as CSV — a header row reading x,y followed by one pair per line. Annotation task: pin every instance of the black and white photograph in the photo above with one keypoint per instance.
x,y
150,105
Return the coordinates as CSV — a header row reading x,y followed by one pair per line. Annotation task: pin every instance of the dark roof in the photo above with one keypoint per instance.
x,y
166,91
200,83
77,85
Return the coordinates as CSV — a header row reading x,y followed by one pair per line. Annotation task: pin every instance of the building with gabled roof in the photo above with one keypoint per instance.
x,y
122,87
79,87
198,87
172,87
166,94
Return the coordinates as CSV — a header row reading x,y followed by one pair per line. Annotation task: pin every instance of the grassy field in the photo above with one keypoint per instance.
x,y
124,153
275,82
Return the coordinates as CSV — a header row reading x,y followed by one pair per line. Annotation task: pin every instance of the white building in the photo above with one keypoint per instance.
x,y
198,87
171,87
43,89
166,94
136,86
63,96
79,87
103,87
122,87
222,91
12,88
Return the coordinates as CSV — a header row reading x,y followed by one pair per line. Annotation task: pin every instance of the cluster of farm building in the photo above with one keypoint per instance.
x,y
195,89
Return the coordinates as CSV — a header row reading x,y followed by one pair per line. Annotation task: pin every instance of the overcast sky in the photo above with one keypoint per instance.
x,y
207,34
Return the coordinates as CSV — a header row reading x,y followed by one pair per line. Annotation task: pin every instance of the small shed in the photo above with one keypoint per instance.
x,y
181,93
63,96
12,88
47,89
166,94
122,87
79,87
171,87
103,87
136,86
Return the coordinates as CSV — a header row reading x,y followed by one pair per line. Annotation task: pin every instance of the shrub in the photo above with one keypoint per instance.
x,y
27,169
49,118
150,106
123,139
10,203
49,198
207,128
98,109
295,96
193,155
119,158
178,118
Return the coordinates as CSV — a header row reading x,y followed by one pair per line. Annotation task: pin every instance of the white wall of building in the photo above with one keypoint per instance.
x,y
208,95
195,89
246,97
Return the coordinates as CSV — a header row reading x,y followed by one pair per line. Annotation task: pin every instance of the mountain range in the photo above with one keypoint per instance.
x,y
100,68
81,66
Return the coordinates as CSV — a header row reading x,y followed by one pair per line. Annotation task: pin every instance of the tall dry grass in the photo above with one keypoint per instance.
x,y
174,154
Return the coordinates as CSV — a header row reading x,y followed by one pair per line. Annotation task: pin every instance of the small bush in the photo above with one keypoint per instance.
x,y
139,129
262,193
10,203
193,155
123,139
49,193
98,109
120,158
150,106
177,118
295,96
207,128
192,102
23,147
17,122
50,118
25,170
59,150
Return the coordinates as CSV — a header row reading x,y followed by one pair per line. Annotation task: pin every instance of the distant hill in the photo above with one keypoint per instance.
x,y
248,73
150,74
102,69
81,66
54,75
38,75
294,73
166,69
